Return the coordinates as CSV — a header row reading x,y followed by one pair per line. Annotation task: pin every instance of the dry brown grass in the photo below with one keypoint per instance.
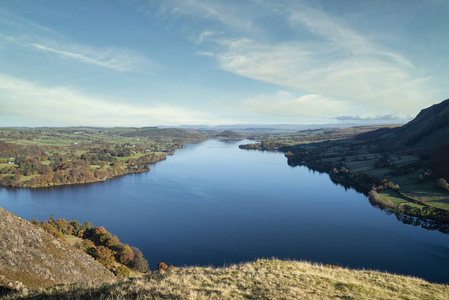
x,y
262,279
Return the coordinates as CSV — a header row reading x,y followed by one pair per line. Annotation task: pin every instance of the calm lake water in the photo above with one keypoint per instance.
x,y
213,203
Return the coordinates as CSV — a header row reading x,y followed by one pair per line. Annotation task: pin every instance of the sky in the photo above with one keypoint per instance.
x,y
190,62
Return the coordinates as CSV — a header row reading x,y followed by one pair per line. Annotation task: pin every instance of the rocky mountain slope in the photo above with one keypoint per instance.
x,y
427,135
429,128
31,258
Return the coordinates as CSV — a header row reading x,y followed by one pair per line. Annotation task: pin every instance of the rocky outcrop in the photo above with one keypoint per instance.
x,y
32,258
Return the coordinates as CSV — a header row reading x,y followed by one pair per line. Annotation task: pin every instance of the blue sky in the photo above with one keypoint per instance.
x,y
183,62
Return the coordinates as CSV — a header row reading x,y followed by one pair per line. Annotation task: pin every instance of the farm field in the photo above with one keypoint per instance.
x,y
42,157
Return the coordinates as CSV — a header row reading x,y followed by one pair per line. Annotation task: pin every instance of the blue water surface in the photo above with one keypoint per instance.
x,y
214,204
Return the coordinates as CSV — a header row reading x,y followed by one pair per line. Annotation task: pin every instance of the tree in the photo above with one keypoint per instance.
x,y
48,227
63,225
101,236
87,244
76,226
105,256
18,177
113,242
35,222
442,184
86,226
126,255
140,263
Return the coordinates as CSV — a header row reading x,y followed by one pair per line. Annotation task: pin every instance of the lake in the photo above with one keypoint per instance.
x,y
214,204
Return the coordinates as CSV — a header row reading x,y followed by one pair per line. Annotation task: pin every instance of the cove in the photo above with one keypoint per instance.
x,y
214,204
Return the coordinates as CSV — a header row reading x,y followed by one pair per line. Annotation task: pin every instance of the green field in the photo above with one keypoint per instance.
x,y
59,149
395,198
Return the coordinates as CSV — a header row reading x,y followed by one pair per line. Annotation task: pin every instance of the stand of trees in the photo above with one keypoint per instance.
x,y
99,243
96,164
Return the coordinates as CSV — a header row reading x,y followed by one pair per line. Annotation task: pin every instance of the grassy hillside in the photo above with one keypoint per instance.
x,y
428,136
262,279
31,258
166,133
229,135
429,128
317,135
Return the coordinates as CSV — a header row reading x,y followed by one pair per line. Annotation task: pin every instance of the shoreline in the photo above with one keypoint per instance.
x,y
431,217
26,186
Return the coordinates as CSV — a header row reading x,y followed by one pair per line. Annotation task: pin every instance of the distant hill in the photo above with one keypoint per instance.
x,y
229,135
31,258
166,133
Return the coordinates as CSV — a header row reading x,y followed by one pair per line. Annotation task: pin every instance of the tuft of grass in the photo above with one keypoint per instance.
x,y
261,279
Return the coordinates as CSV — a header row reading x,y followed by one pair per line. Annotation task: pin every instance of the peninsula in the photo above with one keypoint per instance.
x,y
46,157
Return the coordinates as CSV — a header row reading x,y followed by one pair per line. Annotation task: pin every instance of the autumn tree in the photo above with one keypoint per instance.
x,y
126,255
139,263
113,242
105,256
87,245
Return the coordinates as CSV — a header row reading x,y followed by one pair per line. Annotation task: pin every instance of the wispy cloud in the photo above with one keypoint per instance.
x,y
343,65
70,107
342,37
322,55
222,12
30,35
369,117
119,59
16,23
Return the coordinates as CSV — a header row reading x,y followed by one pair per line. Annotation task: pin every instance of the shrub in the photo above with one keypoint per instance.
x,y
374,196
139,263
35,222
442,184
122,271
161,266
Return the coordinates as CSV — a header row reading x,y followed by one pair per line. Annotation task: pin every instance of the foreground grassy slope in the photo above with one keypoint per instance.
x,y
262,279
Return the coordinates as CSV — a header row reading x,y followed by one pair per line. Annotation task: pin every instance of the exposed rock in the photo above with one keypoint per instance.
x,y
32,258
